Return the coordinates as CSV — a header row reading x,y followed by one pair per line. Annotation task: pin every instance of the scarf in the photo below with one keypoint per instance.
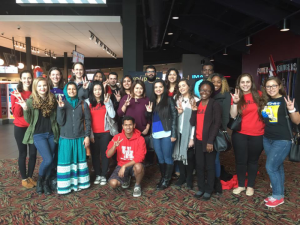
x,y
74,100
46,105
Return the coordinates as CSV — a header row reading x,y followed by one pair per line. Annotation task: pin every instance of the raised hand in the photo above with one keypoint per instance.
x,y
194,106
16,93
118,96
106,98
22,103
290,105
236,96
86,83
60,101
149,107
127,102
105,83
117,142
179,107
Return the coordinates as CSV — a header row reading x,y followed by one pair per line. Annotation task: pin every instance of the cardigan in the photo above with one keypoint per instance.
x,y
212,122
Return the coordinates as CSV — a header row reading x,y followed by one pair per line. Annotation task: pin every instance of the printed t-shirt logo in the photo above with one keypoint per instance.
x,y
127,153
271,111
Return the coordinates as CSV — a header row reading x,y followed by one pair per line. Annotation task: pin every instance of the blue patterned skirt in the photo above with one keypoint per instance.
x,y
72,169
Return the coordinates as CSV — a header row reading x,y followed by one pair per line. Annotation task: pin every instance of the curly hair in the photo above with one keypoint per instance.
x,y
224,86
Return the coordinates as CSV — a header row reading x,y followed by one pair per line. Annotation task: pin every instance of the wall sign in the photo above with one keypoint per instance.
x,y
8,69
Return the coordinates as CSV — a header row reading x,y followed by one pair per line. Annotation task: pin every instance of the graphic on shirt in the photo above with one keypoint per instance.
x,y
200,111
127,153
271,111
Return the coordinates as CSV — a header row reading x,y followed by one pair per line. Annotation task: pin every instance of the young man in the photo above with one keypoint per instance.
x,y
207,70
151,77
131,150
115,97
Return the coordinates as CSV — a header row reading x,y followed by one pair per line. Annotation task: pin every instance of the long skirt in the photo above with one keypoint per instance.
x,y
72,169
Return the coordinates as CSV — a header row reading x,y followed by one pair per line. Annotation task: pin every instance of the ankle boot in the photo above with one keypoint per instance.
x,y
218,186
182,178
46,186
162,172
39,185
168,176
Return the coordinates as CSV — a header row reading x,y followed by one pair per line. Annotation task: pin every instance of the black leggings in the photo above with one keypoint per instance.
x,y
99,148
247,150
19,133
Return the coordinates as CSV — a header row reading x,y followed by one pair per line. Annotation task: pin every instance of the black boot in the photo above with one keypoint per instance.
x,y
39,185
190,168
46,186
162,172
168,176
218,186
182,178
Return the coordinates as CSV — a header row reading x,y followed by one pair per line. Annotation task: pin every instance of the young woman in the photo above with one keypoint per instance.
x,y
99,75
43,131
206,118
248,142
184,146
74,118
56,82
164,130
126,83
221,94
277,139
134,105
100,107
23,91
172,80
78,70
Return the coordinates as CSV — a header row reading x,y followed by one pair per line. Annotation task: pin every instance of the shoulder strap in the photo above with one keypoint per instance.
x,y
288,122
82,106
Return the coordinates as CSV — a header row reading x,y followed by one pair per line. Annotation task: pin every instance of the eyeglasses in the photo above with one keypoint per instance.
x,y
151,71
205,91
271,87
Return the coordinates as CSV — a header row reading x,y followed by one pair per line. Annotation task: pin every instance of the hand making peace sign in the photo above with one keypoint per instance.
x,y
106,98
127,102
60,101
16,93
149,107
118,96
236,96
179,107
85,83
22,103
290,105
117,142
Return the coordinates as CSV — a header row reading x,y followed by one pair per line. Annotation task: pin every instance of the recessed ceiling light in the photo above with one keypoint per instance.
x,y
164,49
166,42
170,33
175,17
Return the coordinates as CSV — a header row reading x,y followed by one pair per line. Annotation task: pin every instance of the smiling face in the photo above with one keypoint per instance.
x,y
112,79
128,126
97,91
217,82
26,80
245,84
42,88
205,92
207,70
72,90
98,76
183,88
272,89
158,89
127,83
78,71
172,77
55,77
138,91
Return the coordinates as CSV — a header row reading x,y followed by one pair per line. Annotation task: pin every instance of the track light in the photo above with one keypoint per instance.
x,y
92,36
225,51
284,25
102,45
248,41
175,17
97,41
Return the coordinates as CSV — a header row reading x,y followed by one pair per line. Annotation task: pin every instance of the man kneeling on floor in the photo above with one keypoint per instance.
x,y
131,151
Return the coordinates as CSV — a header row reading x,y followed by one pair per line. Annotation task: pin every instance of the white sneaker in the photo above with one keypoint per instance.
x,y
97,180
126,184
103,180
137,192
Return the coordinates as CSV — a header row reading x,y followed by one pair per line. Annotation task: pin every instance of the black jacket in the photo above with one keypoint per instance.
x,y
171,122
212,122
224,101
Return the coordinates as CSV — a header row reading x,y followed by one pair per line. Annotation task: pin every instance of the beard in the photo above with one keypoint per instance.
x,y
151,79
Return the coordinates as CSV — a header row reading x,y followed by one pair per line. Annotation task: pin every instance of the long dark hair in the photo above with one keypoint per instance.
x,y
102,74
20,84
140,82
84,73
122,89
191,93
176,82
162,108
92,97
278,81
260,102
61,81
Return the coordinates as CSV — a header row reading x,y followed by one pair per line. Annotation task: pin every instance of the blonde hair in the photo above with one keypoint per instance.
x,y
35,94
225,86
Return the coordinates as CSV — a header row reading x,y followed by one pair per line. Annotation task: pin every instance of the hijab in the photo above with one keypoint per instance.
x,y
74,100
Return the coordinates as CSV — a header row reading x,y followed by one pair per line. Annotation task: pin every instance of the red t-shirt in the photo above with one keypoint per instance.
x,y
17,110
98,118
251,125
108,89
200,121
170,94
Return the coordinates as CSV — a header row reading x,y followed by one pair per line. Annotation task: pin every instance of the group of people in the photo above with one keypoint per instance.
x,y
67,122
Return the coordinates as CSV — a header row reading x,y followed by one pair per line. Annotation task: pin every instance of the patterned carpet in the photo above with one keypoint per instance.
x,y
102,205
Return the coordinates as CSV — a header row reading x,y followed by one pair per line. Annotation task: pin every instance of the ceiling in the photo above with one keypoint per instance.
x,y
61,33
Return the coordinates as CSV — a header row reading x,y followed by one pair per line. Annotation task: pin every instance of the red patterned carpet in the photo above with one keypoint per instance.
x,y
102,205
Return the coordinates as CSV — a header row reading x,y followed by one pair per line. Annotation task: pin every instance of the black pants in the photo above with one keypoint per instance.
x,y
205,160
247,150
99,149
19,133
187,170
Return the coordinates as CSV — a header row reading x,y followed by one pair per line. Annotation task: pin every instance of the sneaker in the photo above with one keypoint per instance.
x,y
250,191
97,180
27,184
238,190
274,202
137,191
103,180
32,181
206,197
268,199
126,183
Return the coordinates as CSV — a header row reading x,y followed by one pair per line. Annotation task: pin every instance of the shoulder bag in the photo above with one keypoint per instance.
x,y
222,141
113,125
235,123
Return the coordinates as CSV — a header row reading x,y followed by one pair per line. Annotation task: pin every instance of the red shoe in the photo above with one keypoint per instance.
x,y
274,202
268,199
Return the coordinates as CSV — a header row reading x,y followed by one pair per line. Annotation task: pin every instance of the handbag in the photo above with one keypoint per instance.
x,y
294,155
149,142
113,126
235,123
222,141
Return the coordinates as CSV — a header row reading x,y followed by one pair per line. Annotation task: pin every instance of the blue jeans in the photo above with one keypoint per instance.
x,y
46,147
218,165
164,149
277,151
